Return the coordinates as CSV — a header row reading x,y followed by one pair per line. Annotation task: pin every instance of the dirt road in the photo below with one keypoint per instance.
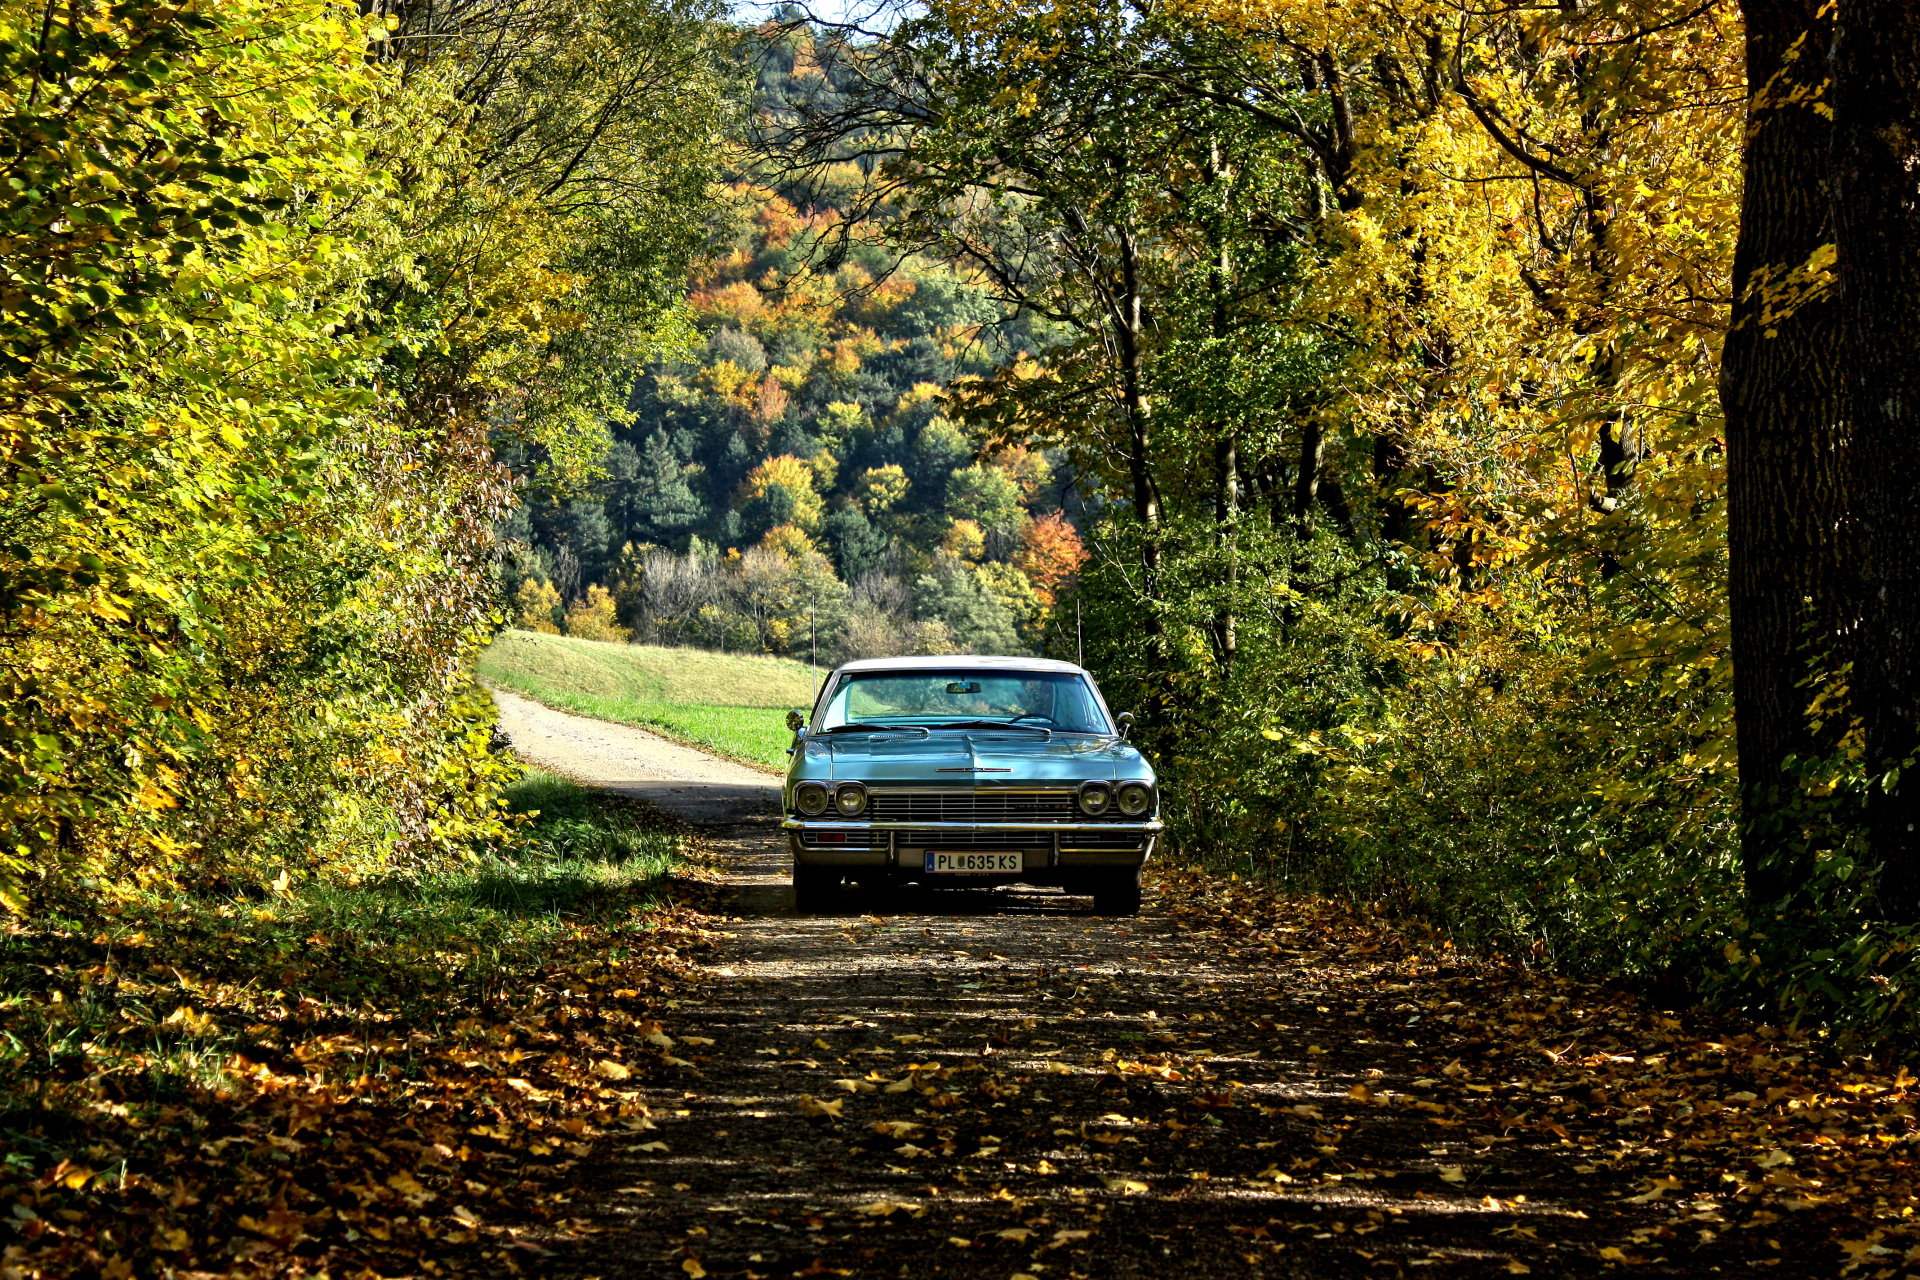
x,y
1000,1084
690,784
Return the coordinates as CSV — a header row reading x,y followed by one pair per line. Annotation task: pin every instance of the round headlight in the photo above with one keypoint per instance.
x,y
850,800
811,799
1134,798
1095,799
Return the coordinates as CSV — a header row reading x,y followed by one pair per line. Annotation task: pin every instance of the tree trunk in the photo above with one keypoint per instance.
x,y
1389,461
1787,470
1306,481
1876,175
1616,471
1226,507
1129,337
1226,448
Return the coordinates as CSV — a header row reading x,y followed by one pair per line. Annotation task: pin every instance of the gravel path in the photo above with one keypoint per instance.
x,y
692,785
1001,1084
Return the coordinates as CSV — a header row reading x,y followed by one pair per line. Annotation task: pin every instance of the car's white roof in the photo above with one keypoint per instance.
x,y
950,661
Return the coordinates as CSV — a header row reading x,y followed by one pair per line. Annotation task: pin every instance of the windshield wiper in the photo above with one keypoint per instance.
x,y
996,724
859,727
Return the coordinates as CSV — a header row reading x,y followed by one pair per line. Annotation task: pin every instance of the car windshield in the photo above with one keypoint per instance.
x,y
1059,701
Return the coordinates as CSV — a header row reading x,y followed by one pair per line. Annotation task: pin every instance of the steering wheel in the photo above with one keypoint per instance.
x,y
1030,715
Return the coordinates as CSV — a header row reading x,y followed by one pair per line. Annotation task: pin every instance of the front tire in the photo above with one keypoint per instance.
x,y
814,889
1117,894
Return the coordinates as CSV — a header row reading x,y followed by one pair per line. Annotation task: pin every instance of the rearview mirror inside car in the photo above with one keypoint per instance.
x,y
963,686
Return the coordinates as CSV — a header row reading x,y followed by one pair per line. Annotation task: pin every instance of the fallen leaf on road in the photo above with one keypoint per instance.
x,y
883,1207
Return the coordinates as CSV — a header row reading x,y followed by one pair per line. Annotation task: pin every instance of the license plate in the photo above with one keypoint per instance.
x,y
968,862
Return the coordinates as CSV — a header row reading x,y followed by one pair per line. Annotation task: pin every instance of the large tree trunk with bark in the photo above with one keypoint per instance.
x,y
1787,465
1876,182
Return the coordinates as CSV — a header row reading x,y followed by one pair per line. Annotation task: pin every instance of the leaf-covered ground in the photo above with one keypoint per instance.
x,y
992,1084
399,1078
1233,1084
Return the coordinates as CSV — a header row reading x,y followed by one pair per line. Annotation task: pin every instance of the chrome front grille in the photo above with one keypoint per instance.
x,y
945,839
958,805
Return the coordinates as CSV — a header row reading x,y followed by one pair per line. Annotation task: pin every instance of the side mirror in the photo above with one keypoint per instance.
x,y
1125,721
796,721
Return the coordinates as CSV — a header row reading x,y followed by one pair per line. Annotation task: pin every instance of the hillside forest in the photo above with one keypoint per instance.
x,y
795,482
1477,443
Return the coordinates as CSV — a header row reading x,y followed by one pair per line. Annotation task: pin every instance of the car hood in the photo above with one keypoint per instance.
x,y
980,758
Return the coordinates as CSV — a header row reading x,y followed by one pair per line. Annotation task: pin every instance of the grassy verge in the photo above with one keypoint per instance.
x,y
345,1078
729,703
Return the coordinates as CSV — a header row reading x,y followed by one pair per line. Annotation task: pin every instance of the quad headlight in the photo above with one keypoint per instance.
x,y
1134,798
1096,798
850,799
812,799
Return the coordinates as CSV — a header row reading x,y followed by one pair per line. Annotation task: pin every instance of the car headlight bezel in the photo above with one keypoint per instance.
x,y
1134,799
812,799
1095,799
850,799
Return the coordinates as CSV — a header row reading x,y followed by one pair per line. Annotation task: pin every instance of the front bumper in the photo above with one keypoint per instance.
x,y
1047,849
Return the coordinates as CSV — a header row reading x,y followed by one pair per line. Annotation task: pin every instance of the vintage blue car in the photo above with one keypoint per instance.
x,y
963,772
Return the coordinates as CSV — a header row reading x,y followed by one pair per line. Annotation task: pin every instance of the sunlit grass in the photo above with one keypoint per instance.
x,y
733,704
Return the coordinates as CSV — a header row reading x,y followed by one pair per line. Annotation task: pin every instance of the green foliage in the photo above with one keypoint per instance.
x,y
273,292
1407,536
955,595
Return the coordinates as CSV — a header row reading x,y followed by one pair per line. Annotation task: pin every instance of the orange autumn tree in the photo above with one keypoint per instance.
x,y
1050,554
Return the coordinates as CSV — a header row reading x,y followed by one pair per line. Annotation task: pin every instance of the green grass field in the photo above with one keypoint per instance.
x,y
730,703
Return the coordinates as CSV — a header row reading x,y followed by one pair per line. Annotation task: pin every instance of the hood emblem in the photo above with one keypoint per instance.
x,y
970,768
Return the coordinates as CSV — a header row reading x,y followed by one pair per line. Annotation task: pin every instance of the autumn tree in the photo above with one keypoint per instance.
x,y
1051,552
280,278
